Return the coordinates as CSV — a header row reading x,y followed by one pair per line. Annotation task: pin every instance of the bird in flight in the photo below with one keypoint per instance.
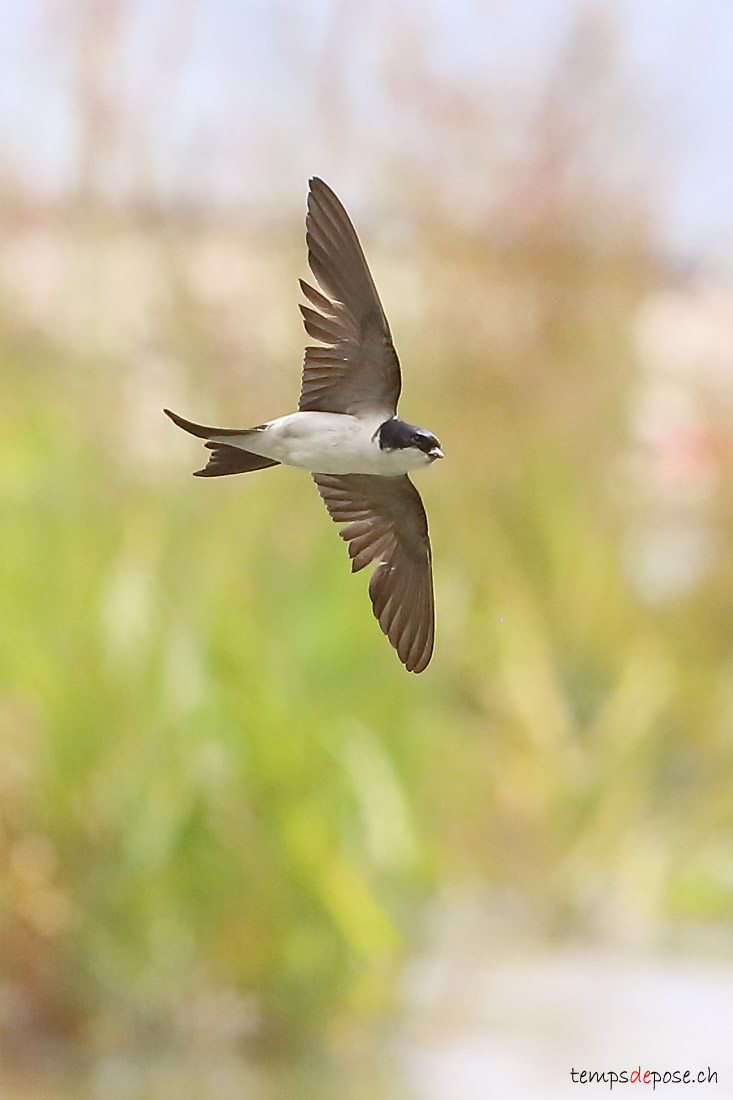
x,y
347,432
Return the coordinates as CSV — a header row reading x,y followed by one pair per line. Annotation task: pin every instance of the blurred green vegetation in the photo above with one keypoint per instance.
x,y
219,787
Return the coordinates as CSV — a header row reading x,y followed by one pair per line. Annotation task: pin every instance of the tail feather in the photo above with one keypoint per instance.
x,y
232,460
224,458
201,430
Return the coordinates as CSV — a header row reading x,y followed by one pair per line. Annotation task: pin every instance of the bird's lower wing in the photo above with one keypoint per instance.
x,y
386,524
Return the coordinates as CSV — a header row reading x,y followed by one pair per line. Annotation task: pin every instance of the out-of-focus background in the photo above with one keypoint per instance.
x,y
242,852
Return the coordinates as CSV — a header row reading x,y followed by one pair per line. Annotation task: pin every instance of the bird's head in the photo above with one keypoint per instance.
x,y
396,434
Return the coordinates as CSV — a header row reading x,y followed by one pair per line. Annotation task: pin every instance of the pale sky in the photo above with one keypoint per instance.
x,y
241,100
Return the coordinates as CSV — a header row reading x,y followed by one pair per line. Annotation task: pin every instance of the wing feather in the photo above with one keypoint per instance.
x,y
386,525
357,371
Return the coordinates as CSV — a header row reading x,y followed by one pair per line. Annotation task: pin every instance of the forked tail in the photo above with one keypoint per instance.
x,y
224,458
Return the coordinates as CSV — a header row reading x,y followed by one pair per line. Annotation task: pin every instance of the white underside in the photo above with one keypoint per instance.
x,y
327,443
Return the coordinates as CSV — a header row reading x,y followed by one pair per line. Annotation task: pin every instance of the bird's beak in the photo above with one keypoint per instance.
x,y
435,452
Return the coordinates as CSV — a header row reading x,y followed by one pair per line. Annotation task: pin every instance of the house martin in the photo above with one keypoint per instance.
x,y
347,432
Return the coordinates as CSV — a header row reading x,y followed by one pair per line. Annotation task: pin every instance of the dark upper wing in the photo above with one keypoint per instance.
x,y
358,370
386,523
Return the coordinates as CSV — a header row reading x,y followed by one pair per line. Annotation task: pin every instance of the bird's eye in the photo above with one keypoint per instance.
x,y
425,441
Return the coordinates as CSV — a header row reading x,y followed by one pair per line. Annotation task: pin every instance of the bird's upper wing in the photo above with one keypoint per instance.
x,y
386,523
358,370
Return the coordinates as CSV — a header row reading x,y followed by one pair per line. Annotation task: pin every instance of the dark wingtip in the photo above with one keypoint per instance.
x,y
318,186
